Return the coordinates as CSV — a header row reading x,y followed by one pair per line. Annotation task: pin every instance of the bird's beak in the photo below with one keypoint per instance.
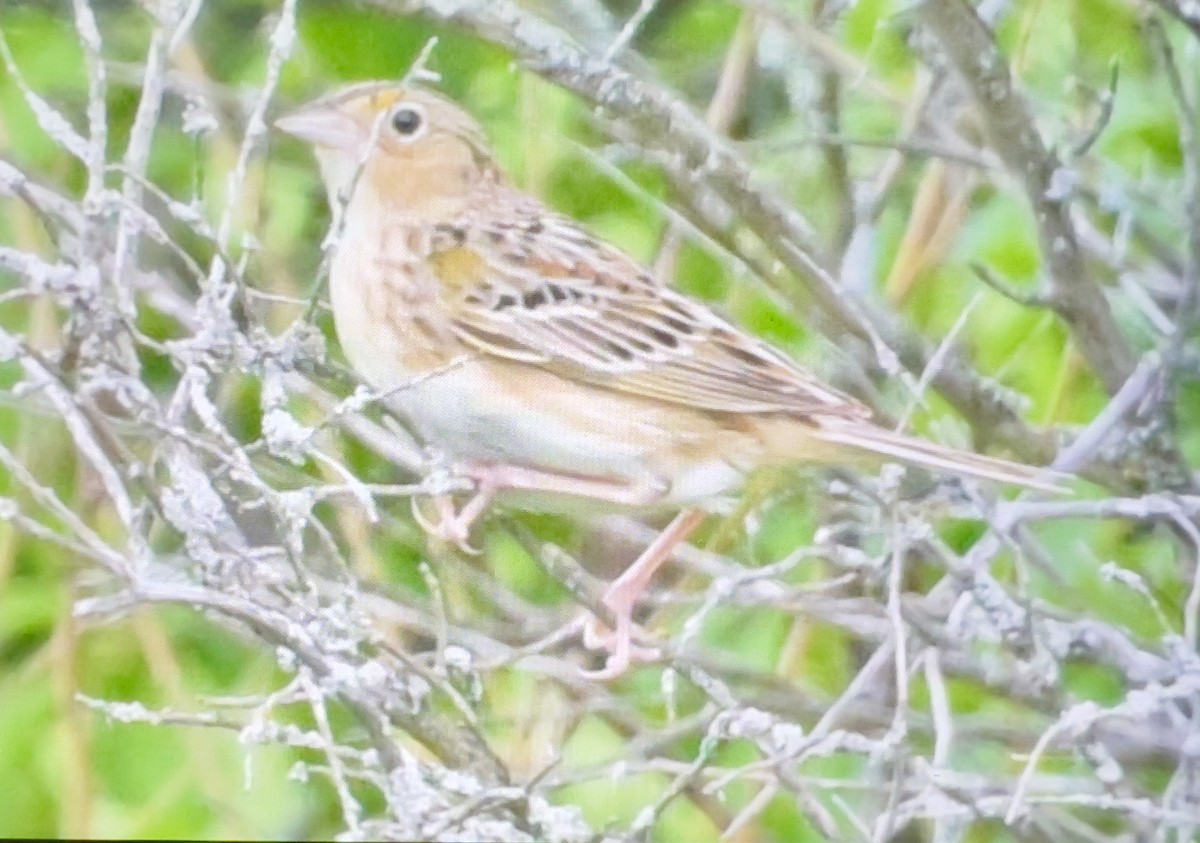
x,y
322,126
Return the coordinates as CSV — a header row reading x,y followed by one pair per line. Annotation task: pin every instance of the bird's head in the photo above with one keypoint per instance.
x,y
409,148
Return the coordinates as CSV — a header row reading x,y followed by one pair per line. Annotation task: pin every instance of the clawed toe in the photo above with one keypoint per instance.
x,y
618,642
451,526
623,595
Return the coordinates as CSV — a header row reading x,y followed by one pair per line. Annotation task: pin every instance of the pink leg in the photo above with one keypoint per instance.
x,y
520,478
456,526
623,594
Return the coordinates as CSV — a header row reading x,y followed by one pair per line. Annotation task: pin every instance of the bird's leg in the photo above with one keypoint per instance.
x,y
622,596
489,479
525,479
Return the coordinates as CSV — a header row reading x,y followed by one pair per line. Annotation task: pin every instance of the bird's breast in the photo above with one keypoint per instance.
x,y
386,307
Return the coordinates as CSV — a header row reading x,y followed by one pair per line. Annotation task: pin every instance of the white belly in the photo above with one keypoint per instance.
x,y
463,412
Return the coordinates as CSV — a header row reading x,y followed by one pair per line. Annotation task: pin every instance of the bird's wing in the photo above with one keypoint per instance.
x,y
541,291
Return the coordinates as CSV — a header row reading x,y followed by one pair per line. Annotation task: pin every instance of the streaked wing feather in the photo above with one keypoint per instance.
x,y
545,293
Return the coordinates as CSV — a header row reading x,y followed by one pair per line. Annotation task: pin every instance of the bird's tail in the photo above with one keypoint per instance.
x,y
919,452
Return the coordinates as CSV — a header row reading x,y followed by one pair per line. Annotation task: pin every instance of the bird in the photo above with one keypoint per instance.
x,y
546,365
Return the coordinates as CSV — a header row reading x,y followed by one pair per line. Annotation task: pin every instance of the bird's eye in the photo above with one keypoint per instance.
x,y
406,120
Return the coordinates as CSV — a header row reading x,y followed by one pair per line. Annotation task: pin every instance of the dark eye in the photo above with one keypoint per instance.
x,y
406,121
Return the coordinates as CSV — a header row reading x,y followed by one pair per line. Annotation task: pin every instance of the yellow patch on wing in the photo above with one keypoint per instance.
x,y
458,268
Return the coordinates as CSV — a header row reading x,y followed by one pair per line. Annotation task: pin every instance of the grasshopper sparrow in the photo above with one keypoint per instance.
x,y
549,366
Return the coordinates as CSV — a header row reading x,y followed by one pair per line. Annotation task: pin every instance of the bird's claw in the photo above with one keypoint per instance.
x,y
450,526
618,642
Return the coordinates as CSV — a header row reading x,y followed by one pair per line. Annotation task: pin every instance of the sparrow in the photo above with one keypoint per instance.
x,y
548,366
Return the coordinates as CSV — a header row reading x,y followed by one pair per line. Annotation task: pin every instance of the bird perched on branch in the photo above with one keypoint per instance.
x,y
547,365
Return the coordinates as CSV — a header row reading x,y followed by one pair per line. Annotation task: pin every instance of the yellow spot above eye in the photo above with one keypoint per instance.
x,y
385,99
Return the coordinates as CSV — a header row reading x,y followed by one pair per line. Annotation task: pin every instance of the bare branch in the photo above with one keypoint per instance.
x,y
1011,132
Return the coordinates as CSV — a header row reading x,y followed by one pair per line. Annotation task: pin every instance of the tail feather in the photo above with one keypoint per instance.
x,y
920,452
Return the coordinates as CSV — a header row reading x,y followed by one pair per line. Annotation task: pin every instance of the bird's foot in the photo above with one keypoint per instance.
x,y
617,642
623,595
454,526
451,526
